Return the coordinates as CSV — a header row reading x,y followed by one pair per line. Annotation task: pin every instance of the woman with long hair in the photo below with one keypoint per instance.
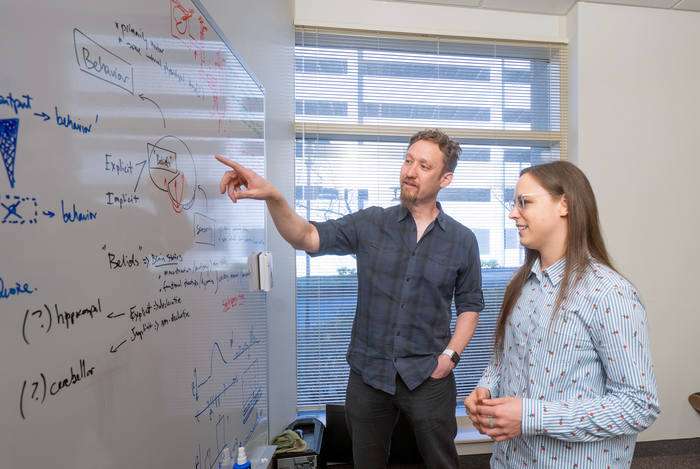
x,y
571,381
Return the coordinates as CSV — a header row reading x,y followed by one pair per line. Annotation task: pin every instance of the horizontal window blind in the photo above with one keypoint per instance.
x,y
359,98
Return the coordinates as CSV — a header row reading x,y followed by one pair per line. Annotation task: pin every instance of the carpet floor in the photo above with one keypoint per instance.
x,y
687,461
663,454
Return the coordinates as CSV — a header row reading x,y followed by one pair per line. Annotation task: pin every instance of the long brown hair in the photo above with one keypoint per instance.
x,y
584,237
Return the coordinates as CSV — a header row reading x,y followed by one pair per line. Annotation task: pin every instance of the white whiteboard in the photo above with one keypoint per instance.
x,y
128,336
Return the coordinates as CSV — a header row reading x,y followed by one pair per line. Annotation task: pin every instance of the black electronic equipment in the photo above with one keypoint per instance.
x,y
310,430
337,444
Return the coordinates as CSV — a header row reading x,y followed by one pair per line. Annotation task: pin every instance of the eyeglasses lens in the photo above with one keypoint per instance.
x,y
517,202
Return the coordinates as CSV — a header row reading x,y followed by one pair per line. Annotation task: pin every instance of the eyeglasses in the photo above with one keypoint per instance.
x,y
520,202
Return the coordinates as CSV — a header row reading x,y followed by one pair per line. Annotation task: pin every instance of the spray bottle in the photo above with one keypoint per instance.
x,y
242,462
226,461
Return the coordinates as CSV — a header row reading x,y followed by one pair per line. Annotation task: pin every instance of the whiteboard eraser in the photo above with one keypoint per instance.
x,y
253,271
266,280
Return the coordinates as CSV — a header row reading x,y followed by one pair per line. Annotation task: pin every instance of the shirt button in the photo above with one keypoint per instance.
x,y
413,254
396,359
398,332
403,305
408,279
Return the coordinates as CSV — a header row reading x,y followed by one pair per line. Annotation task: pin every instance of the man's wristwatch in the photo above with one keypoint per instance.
x,y
454,356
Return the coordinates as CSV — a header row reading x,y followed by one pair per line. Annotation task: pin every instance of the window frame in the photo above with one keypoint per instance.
x,y
314,129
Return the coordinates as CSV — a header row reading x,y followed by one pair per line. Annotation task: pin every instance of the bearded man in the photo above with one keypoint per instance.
x,y
412,259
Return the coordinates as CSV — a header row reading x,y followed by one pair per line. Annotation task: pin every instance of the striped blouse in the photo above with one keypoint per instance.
x,y
586,379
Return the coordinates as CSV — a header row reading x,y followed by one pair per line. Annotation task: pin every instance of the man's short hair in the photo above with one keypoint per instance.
x,y
449,148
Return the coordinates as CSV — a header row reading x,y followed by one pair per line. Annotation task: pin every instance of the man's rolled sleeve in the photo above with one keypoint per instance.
x,y
468,294
337,237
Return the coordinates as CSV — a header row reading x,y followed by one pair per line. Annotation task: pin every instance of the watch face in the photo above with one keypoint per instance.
x,y
455,358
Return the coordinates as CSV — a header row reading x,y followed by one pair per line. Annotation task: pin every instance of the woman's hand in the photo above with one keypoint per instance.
x,y
501,418
472,402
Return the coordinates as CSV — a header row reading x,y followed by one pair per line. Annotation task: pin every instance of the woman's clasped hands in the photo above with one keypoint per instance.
x,y
498,418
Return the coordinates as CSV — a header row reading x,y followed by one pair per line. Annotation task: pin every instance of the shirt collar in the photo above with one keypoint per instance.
x,y
554,271
441,218
402,213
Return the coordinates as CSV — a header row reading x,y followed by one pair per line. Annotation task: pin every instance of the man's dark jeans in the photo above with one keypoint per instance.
x,y
371,415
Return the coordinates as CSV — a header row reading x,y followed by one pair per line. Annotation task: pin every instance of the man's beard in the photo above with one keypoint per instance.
x,y
407,199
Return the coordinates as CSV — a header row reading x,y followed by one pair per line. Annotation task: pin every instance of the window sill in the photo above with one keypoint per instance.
x,y
468,439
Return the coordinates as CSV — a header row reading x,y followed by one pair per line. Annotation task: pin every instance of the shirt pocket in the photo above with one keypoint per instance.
x,y
383,257
441,272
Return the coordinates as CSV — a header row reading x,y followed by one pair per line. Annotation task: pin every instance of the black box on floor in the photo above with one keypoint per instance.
x,y
298,461
311,431
337,445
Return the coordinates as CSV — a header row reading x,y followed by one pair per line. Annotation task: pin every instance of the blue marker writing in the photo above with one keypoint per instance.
x,y
8,292
16,103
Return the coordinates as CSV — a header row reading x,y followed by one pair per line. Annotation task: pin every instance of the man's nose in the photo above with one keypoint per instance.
x,y
411,171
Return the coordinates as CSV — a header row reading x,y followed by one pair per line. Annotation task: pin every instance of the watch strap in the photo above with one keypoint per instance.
x,y
454,356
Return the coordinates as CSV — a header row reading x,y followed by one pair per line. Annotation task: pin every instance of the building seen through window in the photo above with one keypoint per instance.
x,y
359,98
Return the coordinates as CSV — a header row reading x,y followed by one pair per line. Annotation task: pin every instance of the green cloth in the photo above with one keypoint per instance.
x,y
289,442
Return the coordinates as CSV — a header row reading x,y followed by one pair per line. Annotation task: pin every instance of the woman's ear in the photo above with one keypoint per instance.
x,y
563,206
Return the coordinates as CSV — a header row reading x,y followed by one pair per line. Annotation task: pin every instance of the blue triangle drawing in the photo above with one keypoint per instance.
x,y
8,146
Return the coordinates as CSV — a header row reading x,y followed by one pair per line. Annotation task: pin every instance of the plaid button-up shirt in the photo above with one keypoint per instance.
x,y
405,289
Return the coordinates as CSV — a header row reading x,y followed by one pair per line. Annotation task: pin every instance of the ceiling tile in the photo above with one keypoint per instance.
x,y
642,3
551,7
554,7
689,5
461,3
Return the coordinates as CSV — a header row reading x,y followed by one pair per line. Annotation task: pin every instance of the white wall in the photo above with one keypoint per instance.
x,y
634,104
635,128
262,32
427,19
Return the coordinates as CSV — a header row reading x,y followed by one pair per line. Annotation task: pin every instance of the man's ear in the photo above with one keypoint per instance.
x,y
563,206
445,180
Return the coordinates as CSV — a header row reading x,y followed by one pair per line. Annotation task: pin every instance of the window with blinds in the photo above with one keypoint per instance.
x,y
359,98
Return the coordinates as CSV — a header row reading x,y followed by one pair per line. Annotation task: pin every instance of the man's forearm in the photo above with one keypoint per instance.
x,y
298,232
464,330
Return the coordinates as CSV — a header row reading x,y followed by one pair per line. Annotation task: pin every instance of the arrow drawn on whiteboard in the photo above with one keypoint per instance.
x,y
114,350
143,98
44,115
49,214
112,315
206,200
143,165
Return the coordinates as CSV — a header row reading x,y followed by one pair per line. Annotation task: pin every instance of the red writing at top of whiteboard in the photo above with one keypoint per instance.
x,y
231,302
180,26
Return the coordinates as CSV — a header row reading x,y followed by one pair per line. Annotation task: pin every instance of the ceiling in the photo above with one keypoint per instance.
x,y
556,7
